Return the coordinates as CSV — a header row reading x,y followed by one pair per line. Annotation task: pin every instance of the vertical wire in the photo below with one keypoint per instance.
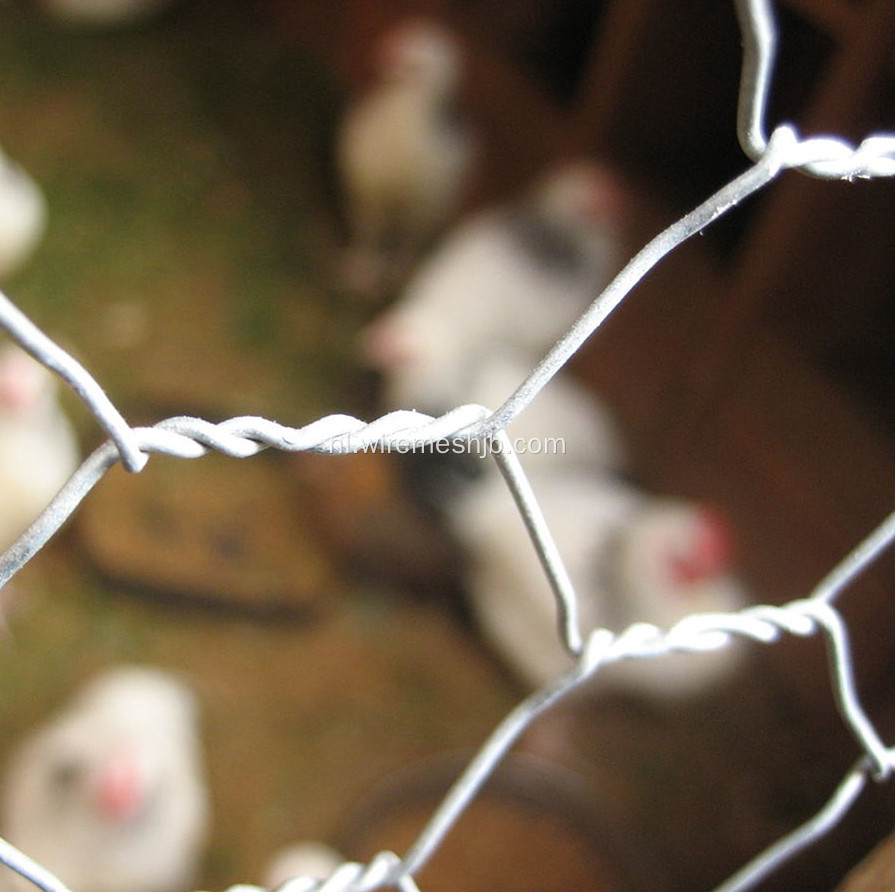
x,y
543,543
842,682
759,35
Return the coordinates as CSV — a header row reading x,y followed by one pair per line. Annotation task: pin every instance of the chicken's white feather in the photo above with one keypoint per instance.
x,y
23,216
39,449
110,793
403,154
632,557
509,279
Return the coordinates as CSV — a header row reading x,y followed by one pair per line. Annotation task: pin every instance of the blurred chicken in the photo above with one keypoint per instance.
x,y
403,155
306,859
631,557
23,216
510,279
102,13
38,446
566,427
110,795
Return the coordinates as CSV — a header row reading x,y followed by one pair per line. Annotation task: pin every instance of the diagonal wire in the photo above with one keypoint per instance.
x,y
857,561
30,869
814,828
48,352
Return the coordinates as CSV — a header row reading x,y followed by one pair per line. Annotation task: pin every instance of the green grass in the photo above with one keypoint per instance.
x,y
185,166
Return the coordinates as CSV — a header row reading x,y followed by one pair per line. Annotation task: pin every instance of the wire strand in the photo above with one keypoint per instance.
x,y
185,437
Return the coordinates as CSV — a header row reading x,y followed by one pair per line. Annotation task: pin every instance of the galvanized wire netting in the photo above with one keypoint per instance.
x,y
241,437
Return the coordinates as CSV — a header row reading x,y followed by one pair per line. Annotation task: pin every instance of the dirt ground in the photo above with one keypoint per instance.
x,y
188,263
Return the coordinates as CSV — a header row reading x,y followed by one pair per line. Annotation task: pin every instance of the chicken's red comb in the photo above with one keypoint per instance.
x,y
20,378
712,549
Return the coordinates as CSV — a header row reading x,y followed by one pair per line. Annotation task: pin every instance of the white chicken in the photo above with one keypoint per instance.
x,y
38,446
102,13
510,279
631,558
110,795
403,155
23,216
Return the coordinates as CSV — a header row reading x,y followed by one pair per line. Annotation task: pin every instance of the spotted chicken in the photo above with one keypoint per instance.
x,y
632,557
39,450
509,279
403,154
23,216
110,794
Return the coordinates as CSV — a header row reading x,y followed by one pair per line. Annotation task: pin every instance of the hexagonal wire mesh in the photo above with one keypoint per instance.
x,y
189,437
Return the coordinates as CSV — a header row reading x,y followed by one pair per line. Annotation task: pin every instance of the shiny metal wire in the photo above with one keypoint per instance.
x,y
242,437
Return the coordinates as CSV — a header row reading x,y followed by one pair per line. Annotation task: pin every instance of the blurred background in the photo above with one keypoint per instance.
x,y
195,224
